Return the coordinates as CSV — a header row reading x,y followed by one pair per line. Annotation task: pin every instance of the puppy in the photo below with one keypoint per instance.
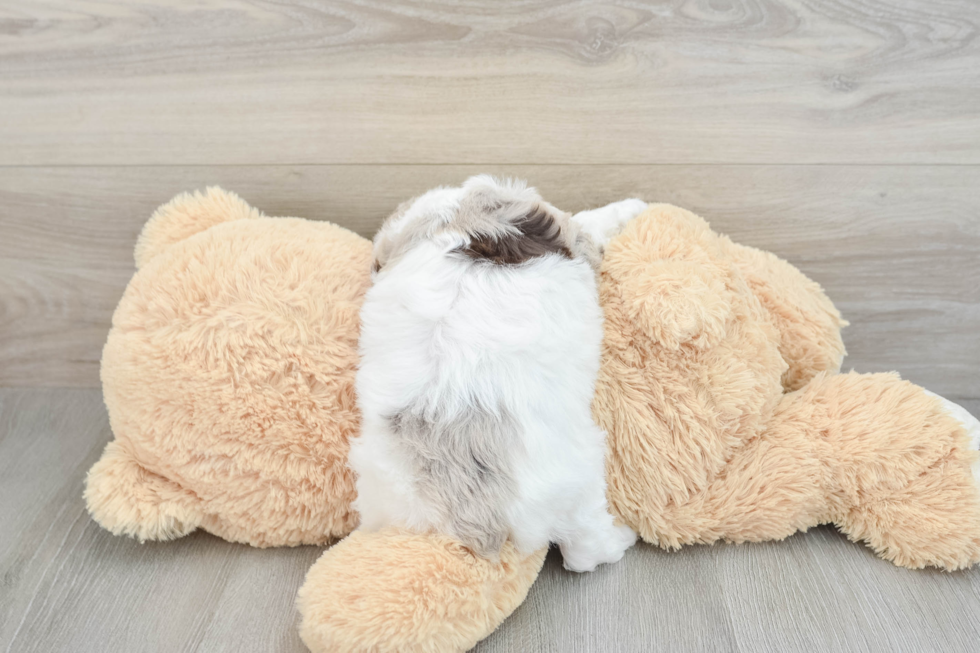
x,y
480,343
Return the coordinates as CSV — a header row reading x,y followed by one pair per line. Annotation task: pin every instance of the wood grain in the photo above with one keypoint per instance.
x,y
842,134
543,81
68,586
896,247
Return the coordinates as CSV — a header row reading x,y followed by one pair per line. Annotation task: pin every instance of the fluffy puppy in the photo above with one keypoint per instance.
x,y
480,343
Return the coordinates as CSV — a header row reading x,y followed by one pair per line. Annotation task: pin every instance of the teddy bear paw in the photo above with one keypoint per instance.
x,y
606,222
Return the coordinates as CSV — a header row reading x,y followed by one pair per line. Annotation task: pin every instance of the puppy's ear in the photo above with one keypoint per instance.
x,y
584,247
534,234
385,240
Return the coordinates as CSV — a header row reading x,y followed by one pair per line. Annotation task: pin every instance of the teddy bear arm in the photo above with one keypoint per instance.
x,y
186,215
807,322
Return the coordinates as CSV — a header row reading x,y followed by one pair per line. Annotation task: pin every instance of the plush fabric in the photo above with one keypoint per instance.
x,y
228,375
229,378
398,591
704,445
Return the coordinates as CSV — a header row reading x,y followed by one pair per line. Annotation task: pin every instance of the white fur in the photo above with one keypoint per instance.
x,y
604,223
440,329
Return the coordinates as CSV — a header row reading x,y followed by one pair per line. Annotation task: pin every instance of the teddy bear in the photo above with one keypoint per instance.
x,y
228,375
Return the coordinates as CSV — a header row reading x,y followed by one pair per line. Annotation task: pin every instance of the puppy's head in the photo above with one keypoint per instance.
x,y
502,222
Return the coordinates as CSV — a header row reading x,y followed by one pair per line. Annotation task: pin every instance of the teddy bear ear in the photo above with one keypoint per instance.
x,y
670,278
186,215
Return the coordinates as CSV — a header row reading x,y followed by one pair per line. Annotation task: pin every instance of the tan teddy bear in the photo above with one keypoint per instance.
x,y
228,375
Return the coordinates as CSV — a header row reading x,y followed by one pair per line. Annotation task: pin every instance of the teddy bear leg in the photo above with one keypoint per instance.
x,y
604,223
772,487
889,463
394,590
934,520
900,467
127,499
807,321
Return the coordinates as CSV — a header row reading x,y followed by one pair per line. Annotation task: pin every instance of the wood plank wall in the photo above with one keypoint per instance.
x,y
844,135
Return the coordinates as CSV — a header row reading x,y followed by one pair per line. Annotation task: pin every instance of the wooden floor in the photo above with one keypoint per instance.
x,y
69,586
843,135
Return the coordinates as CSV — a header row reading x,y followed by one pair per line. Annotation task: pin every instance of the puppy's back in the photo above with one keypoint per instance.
x,y
480,347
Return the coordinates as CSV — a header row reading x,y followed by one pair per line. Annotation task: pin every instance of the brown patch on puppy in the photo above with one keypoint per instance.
x,y
538,233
